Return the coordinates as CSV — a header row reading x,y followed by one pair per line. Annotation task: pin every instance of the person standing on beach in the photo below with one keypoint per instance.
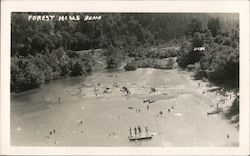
x,y
135,131
146,130
130,131
139,130
59,100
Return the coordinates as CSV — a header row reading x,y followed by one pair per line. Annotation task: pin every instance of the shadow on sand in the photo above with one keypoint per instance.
x,y
232,113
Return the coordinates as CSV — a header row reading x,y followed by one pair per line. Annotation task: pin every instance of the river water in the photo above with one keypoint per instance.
x,y
93,111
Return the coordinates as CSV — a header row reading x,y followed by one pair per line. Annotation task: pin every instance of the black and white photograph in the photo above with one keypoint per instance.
x,y
125,79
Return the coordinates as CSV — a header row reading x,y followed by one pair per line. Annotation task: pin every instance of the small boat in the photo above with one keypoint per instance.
x,y
130,107
218,110
149,100
152,100
140,137
86,84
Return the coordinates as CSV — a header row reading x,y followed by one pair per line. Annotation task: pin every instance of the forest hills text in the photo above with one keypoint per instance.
x,y
63,18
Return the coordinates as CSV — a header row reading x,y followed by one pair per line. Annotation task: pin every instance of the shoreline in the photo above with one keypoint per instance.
x,y
223,102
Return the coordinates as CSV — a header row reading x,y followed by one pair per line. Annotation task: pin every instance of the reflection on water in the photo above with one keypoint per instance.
x,y
41,98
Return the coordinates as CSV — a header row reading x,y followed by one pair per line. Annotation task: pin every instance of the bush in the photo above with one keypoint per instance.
x,y
198,39
130,66
183,58
114,57
198,73
25,75
172,53
113,62
190,67
78,69
39,61
224,65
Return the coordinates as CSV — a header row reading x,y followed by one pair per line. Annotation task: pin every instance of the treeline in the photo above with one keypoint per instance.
x,y
45,50
118,30
219,61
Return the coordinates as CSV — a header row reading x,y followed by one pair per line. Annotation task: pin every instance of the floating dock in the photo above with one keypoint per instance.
x,y
140,137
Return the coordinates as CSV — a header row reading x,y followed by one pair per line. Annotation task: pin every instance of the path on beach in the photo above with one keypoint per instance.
x,y
106,117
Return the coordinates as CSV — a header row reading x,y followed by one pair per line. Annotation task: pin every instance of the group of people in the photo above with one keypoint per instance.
x,y
138,110
137,131
79,123
50,133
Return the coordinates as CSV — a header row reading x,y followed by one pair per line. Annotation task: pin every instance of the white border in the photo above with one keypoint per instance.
x,y
241,7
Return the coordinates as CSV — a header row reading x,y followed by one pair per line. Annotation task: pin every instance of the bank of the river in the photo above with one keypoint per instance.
x,y
178,117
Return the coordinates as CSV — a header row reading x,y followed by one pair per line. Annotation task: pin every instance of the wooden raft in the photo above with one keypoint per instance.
x,y
140,137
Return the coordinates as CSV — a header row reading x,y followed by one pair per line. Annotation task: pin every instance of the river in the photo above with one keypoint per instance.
x,y
77,112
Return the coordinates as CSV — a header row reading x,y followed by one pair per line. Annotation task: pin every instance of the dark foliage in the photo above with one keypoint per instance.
x,y
114,57
46,50
213,24
219,61
233,112
194,27
130,66
32,71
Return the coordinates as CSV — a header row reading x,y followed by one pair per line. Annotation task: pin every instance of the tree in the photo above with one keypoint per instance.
x,y
130,66
114,56
235,37
208,36
198,39
25,75
50,46
78,68
213,24
193,27
183,58
66,39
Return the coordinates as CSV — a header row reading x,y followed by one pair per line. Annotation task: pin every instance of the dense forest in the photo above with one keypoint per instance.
x,y
46,50
219,60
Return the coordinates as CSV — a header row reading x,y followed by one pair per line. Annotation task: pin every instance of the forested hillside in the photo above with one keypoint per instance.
x,y
219,59
45,50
